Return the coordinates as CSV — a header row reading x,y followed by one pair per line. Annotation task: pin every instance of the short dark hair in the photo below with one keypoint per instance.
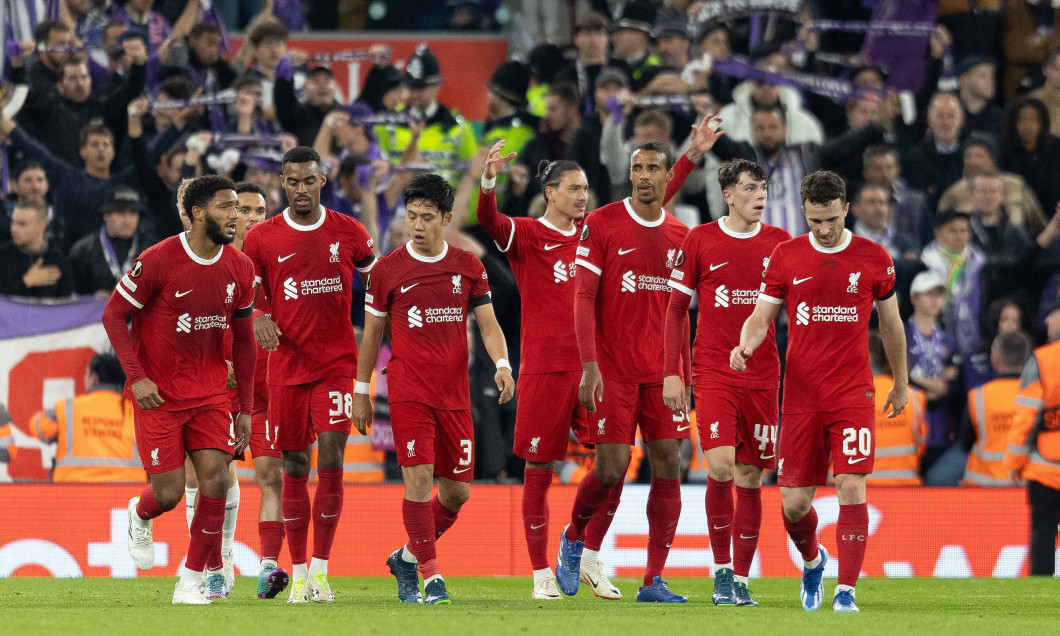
x,y
300,154
107,368
730,171
878,150
348,166
432,189
654,146
246,186
25,167
201,190
777,108
550,173
39,207
244,80
1014,348
822,187
202,28
320,70
178,87
567,93
872,186
94,129
655,117
267,29
73,61
43,32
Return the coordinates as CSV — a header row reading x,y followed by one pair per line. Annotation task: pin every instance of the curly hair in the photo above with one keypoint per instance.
x,y
822,187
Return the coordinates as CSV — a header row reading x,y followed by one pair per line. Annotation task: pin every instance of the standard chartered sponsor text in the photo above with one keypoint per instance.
x,y
211,322
836,313
653,283
444,314
744,296
322,285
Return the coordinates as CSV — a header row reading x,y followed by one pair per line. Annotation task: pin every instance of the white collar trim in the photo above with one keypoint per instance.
x,y
571,232
847,237
195,257
427,259
628,202
739,235
305,228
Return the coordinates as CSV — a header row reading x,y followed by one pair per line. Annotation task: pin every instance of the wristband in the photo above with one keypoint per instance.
x,y
489,184
362,388
503,364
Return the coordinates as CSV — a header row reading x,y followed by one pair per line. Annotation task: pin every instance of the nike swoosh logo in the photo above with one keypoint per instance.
x,y
767,456
205,531
280,259
720,265
722,527
405,289
683,428
859,459
295,519
584,517
538,527
324,516
461,470
589,579
334,421
799,281
549,248
231,442
753,536
624,252
668,546
182,294
610,513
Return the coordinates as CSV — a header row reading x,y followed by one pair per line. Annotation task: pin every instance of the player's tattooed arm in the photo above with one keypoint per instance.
x,y
367,355
702,137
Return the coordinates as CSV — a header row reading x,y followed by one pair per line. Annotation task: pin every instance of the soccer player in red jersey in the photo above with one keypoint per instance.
x,y
305,259
722,263
182,295
426,290
627,251
829,280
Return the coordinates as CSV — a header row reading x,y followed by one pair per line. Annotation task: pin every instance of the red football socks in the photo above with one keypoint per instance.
x,y
851,530
719,519
419,524
803,534
444,518
664,509
327,507
589,497
745,524
536,482
205,546
602,518
294,502
270,534
147,508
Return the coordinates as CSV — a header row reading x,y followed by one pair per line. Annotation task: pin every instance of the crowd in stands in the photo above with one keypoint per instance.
x,y
958,176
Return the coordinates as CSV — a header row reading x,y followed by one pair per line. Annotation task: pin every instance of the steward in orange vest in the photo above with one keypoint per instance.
x,y
900,439
7,444
985,430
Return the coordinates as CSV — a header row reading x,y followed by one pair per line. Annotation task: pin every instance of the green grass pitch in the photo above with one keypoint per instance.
x,y
108,607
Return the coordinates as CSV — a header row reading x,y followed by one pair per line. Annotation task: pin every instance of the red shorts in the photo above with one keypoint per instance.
x,y
739,417
625,406
262,436
547,408
808,440
163,437
426,435
299,413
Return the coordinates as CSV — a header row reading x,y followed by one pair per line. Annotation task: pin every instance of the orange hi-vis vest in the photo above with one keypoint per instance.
x,y
7,438
991,408
1034,441
95,438
899,440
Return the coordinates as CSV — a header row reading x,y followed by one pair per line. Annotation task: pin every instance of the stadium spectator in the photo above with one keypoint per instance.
x,y
976,88
584,148
247,114
264,53
1004,315
953,258
54,42
899,440
1029,150
751,96
873,219
590,37
142,20
631,41
979,156
1028,31
912,217
1049,92
547,21
650,125
384,87
994,232
199,56
92,434
716,41
673,43
975,25
99,259
507,118
984,432
562,119
1033,453
88,17
28,181
933,361
934,163
304,119
543,62
31,265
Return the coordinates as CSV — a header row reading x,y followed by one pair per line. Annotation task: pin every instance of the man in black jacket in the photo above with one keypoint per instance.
x,y
303,119
99,259
31,265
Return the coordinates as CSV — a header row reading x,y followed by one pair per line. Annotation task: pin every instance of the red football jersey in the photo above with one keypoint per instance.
x,y
186,305
633,259
725,268
428,300
829,294
542,258
306,272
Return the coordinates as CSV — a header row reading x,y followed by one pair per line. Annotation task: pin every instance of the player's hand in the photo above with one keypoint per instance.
x,y
362,412
266,333
1016,477
739,357
242,433
674,394
495,161
505,384
896,398
591,388
231,382
703,136
145,392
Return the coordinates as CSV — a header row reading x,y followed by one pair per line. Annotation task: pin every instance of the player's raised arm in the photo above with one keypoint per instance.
x,y
893,334
493,338
498,226
367,355
700,142
753,333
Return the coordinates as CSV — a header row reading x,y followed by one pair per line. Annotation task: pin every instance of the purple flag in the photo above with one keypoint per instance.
x,y
903,57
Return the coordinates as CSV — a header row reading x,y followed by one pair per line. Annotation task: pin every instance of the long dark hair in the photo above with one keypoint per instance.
x,y
1009,138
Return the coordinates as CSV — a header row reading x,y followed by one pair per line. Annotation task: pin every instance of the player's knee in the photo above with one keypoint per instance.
x,y
454,498
270,481
214,482
608,476
721,472
797,506
167,500
296,464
